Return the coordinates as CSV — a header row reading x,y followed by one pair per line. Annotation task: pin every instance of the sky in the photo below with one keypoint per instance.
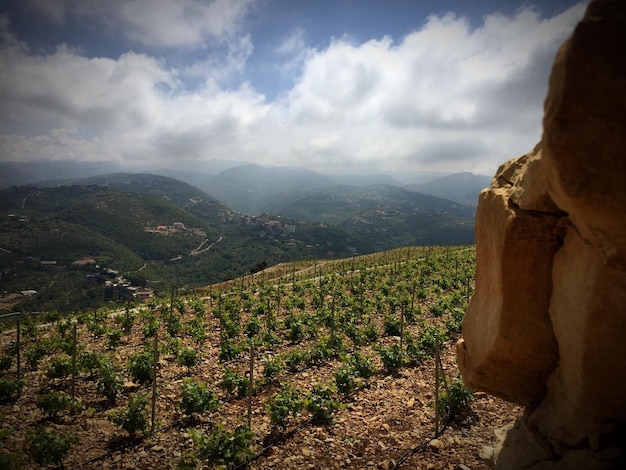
x,y
343,86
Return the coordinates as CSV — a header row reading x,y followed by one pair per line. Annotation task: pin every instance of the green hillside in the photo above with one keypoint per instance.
x,y
159,232
384,217
44,230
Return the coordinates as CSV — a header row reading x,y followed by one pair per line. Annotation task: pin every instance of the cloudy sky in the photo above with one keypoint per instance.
x,y
356,86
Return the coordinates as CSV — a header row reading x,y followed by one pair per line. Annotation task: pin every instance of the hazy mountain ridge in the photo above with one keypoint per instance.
x,y
338,203
248,188
460,187
107,217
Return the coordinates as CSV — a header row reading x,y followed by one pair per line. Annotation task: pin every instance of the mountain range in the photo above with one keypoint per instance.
x,y
164,232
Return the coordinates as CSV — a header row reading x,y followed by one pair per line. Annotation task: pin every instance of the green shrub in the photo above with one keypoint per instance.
x,y
321,404
6,361
108,383
296,330
48,448
362,365
391,358
283,405
134,417
272,368
9,387
36,353
454,400
114,336
53,403
344,379
150,325
196,329
173,325
171,346
88,362
140,366
188,357
96,323
230,380
253,327
220,448
60,366
243,386
295,359
356,336
228,349
424,347
391,325
370,332
197,398
126,321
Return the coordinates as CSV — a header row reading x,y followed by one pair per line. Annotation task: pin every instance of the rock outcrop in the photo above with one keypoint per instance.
x,y
546,326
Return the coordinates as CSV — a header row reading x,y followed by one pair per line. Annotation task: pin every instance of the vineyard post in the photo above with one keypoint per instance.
x,y
251,384
278,299
436,387
154,379
402,331
171,303
241,293
19,357
268,317
332,319
439,373
127,315
74,336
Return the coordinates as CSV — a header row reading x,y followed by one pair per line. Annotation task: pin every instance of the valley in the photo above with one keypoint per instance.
x,y
162,234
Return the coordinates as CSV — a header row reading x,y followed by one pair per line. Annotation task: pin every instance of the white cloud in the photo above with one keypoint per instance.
x,y
221,68
157,23
293,43
445,97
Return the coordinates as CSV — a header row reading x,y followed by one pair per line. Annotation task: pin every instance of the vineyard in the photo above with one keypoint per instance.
x,y
328,364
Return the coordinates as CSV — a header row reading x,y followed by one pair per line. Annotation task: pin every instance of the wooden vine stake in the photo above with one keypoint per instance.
x,y
19,357
402,332
74,339
154,379
439,374
251,384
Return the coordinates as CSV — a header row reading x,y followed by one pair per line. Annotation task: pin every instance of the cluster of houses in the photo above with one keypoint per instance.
x,y
121,289
279,232
176,227
116,287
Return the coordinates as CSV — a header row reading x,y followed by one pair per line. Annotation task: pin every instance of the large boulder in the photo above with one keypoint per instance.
x,y
546,325
509,348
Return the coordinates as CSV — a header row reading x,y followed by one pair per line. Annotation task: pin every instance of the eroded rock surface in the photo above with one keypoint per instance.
x,y
546,326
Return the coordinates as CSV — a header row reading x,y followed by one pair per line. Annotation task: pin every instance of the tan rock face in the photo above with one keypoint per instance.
x,y
509,347
546,326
